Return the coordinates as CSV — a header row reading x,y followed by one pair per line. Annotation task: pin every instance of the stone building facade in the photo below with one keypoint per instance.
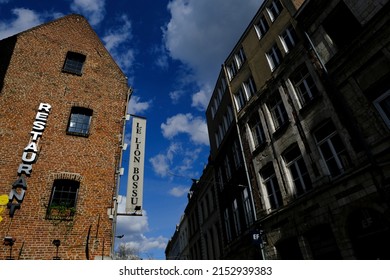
x,y
62,103
308,84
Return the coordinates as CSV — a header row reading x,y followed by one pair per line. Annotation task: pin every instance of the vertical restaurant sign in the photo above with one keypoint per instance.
x,y
135,179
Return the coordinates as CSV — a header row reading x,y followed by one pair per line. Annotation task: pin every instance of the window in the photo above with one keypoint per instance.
x,y
288,39
74,63
274,57
240,58
237,155
247,207
227,225
341,25
231,70
382,104
220,181
249,87
270,182
79,121
228,170
274,9
277,110
257,131
63,198
236,217
305,86
240,99
261,27
332,149
298,171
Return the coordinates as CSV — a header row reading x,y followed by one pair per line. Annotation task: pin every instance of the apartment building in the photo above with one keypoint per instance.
x,y
304,100
62,103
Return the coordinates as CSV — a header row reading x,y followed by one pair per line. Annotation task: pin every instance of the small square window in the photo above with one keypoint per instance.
x,y
74,63
79,121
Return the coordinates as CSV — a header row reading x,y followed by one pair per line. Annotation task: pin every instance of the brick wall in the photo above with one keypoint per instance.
x,y
33,75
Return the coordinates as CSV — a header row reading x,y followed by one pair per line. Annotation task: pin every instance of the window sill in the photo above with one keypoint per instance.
x,y
85,135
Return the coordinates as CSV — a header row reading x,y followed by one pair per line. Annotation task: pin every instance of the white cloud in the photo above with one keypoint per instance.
x,y
201,99
201,33
25,19
162,162
178,191
134,228
93,10
194,127
137,107
117,40
176,95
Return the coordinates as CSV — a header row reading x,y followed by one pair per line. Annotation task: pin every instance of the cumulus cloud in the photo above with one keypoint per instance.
x,y
161,163
134,229
138,107
117,41
194,127
201,33
176,95
179,191
24,19
93,10
176,161
200,100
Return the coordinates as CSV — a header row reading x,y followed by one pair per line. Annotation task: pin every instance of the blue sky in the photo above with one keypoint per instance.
x,y
171,52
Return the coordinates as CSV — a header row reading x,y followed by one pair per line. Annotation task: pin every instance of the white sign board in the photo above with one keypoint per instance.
x,y
136,167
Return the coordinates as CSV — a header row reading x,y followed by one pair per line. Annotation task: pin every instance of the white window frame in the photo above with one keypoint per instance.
x,y
273,57
304,78
288,35
240,99
257,132
247,207
335,155
295,163
261,27
277,110
276,13
249,88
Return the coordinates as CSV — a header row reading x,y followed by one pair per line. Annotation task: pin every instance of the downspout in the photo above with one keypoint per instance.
x,y
114,210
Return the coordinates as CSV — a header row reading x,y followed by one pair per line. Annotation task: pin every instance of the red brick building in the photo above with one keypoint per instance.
x,y
62,103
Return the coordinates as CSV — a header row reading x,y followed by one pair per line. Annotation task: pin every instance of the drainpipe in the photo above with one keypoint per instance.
x,y
114,210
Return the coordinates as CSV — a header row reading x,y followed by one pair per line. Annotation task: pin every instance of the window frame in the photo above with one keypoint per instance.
x,y
61,210
274,9
272,188
329,140
261,27
249,217
303,176
302,76
236,217
256,130
288,38
274,57
278,111
379,107
74,63
79,111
